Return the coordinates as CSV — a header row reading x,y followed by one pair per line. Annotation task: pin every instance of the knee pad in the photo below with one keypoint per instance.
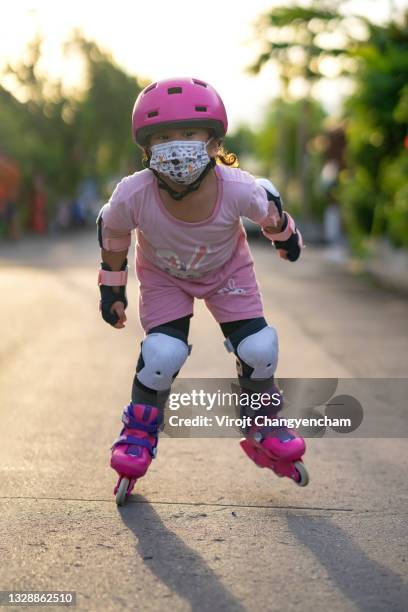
x,y
257,351
161,358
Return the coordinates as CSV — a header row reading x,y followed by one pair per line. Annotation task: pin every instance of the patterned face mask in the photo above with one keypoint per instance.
x,y
182,161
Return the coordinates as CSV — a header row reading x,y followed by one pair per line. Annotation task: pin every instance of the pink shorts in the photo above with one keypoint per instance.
x,y
230,292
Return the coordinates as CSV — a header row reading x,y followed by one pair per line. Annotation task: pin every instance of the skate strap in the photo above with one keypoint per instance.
x,y
124,439
280,432
131,423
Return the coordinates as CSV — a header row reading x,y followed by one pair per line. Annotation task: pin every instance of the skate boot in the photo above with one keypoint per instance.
x,y
279,449
135,448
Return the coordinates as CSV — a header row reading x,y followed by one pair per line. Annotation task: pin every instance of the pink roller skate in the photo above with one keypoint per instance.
x,y
279,449
135,448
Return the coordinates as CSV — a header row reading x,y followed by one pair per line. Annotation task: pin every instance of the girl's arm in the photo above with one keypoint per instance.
x,y
114,260
112,284
282,232
115,223
275,229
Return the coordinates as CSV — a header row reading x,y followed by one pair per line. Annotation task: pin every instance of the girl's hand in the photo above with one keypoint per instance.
x,y
113,300
275,229
118,308
292,244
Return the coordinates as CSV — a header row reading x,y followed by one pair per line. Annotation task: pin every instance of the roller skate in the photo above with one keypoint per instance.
x,y
135,448
279,449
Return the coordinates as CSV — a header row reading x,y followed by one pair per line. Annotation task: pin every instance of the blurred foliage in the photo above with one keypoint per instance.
x,y
101,120
271,150
374,187
299,41
296,38
65,138
302,42
241,141
276,146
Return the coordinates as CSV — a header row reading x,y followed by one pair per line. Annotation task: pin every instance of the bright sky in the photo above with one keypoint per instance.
x,y
154,39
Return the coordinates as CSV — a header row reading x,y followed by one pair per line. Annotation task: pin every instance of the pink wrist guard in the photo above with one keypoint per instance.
x,y
112,279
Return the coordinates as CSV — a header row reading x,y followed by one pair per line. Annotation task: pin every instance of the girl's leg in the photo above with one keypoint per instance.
x,y
255,346
163,352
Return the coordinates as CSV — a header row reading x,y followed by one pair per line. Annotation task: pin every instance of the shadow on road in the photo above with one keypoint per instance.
x,y
174,563
369,585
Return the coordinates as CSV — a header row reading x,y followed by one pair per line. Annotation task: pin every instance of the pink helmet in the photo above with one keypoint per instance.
x,y
178,103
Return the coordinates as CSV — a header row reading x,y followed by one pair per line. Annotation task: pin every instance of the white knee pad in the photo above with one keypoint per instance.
x,y
260,352
163,357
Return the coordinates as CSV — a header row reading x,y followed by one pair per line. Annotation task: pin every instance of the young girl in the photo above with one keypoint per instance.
x,y
186,207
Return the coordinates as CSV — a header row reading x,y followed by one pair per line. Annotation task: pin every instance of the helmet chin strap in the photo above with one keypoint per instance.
x,y
179,195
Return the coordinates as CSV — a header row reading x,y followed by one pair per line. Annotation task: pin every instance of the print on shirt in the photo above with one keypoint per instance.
x,y
231,289
170,262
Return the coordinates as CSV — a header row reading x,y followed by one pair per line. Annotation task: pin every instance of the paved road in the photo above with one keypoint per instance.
x,y
206,530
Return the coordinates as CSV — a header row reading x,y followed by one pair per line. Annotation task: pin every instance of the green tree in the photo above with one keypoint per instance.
x,y
374,188
102,117
279,160
241,141
34,129
299,40
63,137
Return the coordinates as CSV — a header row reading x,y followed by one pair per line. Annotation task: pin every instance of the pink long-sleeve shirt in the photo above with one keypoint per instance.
x,y
180,248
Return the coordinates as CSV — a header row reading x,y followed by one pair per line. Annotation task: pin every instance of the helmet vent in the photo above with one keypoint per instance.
x,y
153,86
199,83
201,109
174,90
153,114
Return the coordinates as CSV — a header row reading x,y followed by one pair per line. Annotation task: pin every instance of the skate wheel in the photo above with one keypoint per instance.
x,y
122,491
303,474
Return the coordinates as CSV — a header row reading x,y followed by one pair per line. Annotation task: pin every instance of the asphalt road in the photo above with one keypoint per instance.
x,y
206,529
